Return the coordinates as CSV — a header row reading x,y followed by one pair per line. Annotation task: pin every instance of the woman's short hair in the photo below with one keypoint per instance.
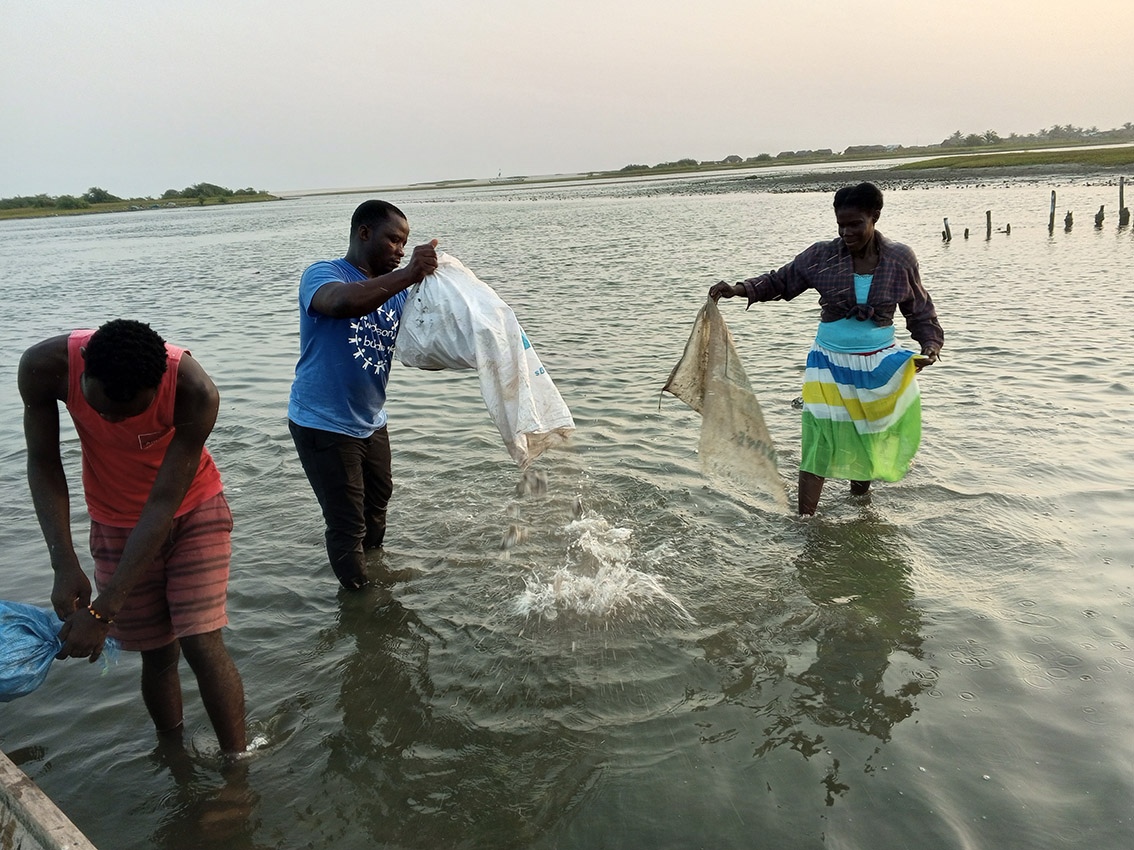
x,y
126,357
864,196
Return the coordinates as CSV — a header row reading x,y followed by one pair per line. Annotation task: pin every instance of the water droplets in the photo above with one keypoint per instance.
x,y
599,581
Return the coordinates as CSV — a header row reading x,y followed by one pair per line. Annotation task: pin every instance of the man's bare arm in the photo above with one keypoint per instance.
x,y
350,300
43,381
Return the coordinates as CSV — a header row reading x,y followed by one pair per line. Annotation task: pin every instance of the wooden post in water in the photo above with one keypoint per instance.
x,y
988,224
1051,215
1068,221
948,234
1100,215
1123,212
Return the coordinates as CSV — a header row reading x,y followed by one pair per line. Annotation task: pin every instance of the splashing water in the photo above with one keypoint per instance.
x,y
597,583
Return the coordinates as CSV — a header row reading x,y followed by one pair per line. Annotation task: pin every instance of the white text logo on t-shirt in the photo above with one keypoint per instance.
x,y
373,337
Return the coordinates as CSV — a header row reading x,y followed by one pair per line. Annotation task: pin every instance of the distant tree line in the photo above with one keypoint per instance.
x,y
94,195
206,190
1058,134
98,195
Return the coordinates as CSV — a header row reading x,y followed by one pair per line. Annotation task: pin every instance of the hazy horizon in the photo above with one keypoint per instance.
x,y
138,98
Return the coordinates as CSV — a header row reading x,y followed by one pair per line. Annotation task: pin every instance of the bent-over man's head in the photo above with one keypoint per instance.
x,y
123,364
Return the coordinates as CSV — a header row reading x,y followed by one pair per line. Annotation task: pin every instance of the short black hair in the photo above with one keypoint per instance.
x,y
126,357
373,213
865,196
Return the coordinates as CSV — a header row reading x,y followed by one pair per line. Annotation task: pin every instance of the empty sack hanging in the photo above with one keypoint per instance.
x,y
735,444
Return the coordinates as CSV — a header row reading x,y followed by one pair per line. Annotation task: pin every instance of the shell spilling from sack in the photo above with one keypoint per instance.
x,y
604,580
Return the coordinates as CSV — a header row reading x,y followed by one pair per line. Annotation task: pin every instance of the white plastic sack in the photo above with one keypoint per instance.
x,y
735,444
452,320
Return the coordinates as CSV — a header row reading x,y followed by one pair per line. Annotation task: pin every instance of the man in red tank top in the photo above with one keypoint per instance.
x,y
159,521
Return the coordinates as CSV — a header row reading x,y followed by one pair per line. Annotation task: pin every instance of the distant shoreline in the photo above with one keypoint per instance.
x,y
964,170
135,205
909,178
1108,163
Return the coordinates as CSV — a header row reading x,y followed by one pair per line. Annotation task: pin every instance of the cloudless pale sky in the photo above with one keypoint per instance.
x,y
138,96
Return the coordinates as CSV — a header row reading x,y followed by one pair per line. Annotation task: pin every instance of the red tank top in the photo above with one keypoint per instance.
x,y
121,459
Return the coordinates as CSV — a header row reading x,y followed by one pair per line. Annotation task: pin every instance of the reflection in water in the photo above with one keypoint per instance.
x,y
202,814
863,616
856,575
408,769
386,691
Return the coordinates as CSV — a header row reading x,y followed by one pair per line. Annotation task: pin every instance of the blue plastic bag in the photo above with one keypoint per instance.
x,y
29,641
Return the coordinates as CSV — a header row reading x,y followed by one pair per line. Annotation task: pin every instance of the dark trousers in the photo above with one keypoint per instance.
x,y
352,481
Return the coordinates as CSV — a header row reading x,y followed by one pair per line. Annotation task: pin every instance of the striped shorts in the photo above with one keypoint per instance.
x,y
183,591
861,414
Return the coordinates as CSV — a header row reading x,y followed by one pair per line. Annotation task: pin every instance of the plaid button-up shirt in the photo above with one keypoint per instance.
x,y
828,268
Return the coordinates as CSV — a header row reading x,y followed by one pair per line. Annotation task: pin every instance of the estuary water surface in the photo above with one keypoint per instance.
x,y
655,661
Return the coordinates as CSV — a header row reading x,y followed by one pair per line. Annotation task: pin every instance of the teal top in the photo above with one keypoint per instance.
x,y
855,336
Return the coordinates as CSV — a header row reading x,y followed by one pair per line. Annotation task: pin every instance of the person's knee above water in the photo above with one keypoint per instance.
x,y
349,310
862,407
142,409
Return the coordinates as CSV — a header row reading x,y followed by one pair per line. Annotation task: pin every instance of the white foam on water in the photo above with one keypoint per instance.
x,y
598,583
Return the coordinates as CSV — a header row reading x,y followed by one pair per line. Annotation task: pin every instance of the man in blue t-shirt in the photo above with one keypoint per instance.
x,y
349,311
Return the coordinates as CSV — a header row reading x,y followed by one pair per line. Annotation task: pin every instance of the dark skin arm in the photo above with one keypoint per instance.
x,y
725,290
351,300
43,384
721,289
195,411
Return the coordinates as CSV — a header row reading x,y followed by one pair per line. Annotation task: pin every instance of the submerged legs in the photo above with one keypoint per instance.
x,y
811,488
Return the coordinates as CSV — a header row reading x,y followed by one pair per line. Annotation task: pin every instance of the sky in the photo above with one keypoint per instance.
x,y
139,97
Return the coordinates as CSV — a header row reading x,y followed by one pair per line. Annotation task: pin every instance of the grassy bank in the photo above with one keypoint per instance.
x,y
1096,157
1100,157
134,205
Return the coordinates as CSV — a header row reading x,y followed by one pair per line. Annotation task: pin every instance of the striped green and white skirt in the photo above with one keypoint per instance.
x,y
861,414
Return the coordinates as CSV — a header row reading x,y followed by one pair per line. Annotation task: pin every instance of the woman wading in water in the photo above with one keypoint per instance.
x,y
861,402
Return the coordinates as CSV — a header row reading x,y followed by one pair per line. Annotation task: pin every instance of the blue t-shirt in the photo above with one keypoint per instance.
x,y
856,336
340,379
